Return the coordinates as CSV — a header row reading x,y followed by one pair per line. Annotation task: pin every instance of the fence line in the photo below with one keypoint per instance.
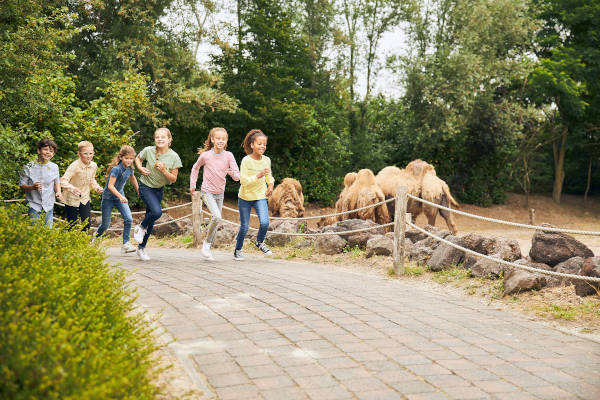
x,y
501,261
499,221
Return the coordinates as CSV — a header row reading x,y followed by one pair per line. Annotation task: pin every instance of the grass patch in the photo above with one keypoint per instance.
x,y
415,270
569,312
186,239
454,274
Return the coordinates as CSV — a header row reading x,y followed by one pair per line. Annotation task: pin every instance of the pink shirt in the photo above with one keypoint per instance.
x,y
215,165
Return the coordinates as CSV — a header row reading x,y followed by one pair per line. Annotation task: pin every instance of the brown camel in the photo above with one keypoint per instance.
x,y
287,199
348,181
363,192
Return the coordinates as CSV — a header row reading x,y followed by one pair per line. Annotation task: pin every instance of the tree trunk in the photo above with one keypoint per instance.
x,y
589,182
559,164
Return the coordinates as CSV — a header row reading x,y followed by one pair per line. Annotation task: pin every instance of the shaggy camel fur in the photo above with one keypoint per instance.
x,y
389,179
437,191
363,192
287,199
348,181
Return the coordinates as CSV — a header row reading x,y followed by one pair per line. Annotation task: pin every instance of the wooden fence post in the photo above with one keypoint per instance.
x,y
197,218
399,229
531,216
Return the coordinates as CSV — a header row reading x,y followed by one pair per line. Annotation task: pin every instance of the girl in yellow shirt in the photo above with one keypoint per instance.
x,y
256,185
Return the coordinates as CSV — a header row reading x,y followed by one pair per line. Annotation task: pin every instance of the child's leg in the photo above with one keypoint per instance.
x,y
214,203
71,214
106,206
244,208
262,210
85,213
152,197
127,220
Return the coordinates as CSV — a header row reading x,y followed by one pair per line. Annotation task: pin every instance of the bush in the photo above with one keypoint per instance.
x,y
68,328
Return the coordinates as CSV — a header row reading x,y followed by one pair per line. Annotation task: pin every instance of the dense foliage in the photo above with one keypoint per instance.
x,y
498,95
68,328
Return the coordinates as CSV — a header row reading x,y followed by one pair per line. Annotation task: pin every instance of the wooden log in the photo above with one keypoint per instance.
x,y
197,218
399,229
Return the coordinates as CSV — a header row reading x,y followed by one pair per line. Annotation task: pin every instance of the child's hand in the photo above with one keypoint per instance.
x,y
76,192
37,185
123,199
229,172
160,166
99,190
264,172
192,191
60,197
144,171
269,190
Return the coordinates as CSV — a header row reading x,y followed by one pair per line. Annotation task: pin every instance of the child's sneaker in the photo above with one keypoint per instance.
x,y
138,233
206,251
142,254
238,256
128,248
263,247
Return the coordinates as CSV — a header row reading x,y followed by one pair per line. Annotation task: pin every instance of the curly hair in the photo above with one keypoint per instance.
x,y
250,138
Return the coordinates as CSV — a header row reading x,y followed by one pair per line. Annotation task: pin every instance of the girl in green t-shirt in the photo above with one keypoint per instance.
x,y
161,167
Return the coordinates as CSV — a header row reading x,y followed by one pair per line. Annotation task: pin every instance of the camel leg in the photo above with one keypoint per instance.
x,y
448,216
431,214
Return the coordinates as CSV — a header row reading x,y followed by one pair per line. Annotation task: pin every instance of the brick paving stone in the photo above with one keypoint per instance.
x,y
443,381
383,394
349,373
289,393
476,374
428,396
555,376
273,382
329,393
315,381
381,365
301,371
549,392
238,392
363,356
338,362
429,369
466,392
584,390
398,375
225,380
413,387
498,386
367,384
253,359
526,380
262,371
225,367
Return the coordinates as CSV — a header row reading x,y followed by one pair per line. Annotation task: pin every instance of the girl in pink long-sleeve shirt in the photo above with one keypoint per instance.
x,y
218,163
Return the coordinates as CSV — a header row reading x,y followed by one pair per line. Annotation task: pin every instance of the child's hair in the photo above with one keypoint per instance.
x,y
83,144
208,144
250,138
161,130
45,142
124,151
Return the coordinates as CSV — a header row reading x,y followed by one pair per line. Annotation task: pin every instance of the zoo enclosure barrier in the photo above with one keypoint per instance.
x,y
401,220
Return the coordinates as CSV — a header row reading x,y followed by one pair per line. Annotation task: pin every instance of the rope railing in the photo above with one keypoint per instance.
x,y
314,234
501,261
13,200
499,221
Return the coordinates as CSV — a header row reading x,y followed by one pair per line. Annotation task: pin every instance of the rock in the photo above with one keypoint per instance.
x,y
553,248
571,266
504,248
304,244
181,227
497,247
420,254
518,280
476,242
360,239
330,244
380,245
414,235
590,267
446,256
354,224
484,268
273,239
226,235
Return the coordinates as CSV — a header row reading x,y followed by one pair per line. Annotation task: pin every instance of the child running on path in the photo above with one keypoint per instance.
x,y
218,163
77,181
40,180
162,166
119,171
256,185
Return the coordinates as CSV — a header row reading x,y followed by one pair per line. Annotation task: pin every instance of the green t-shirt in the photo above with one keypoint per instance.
x,y
156,179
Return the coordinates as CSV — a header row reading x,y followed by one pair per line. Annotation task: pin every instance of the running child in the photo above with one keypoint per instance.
x,y
256,185
218,163
161,168
40,180
77,181
119,171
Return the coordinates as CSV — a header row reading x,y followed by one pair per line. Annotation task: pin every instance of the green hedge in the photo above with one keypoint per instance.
x,y
68,329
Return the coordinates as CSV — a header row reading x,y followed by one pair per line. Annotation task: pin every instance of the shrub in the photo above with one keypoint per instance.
x,y
68,328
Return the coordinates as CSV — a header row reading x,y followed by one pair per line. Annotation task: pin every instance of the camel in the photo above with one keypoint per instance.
x,y
348,181
389,179
437,191
287,199
363,192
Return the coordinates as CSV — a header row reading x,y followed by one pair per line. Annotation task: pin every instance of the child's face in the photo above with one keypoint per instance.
x,y
86,154
259,145
45,154
161,140
127,160
219,140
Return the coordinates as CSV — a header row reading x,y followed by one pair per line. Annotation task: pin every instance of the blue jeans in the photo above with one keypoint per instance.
x,y
262,210
34,215
107,207
152,197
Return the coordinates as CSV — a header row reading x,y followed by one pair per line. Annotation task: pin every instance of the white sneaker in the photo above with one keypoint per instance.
x,y
138,233
128,248
142,254
206,251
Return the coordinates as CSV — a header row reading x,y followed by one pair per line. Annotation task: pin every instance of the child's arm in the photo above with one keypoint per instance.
x,y
65,181
170,175
233,171
24,177
194,173
58,191
270,181
134,182
246,178
113,189
94,184
138,165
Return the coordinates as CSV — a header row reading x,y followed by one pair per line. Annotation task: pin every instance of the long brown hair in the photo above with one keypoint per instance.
x,y
124,151
250,138
208,143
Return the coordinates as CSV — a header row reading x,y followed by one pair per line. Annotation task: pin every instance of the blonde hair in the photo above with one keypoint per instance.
x,y
250,138
168,133
124,151
83,144
208,143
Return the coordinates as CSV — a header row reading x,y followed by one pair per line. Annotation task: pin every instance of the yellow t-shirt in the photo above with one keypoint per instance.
x,y
253,188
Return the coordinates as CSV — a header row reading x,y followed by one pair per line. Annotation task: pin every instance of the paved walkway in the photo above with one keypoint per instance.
x,y
271,329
